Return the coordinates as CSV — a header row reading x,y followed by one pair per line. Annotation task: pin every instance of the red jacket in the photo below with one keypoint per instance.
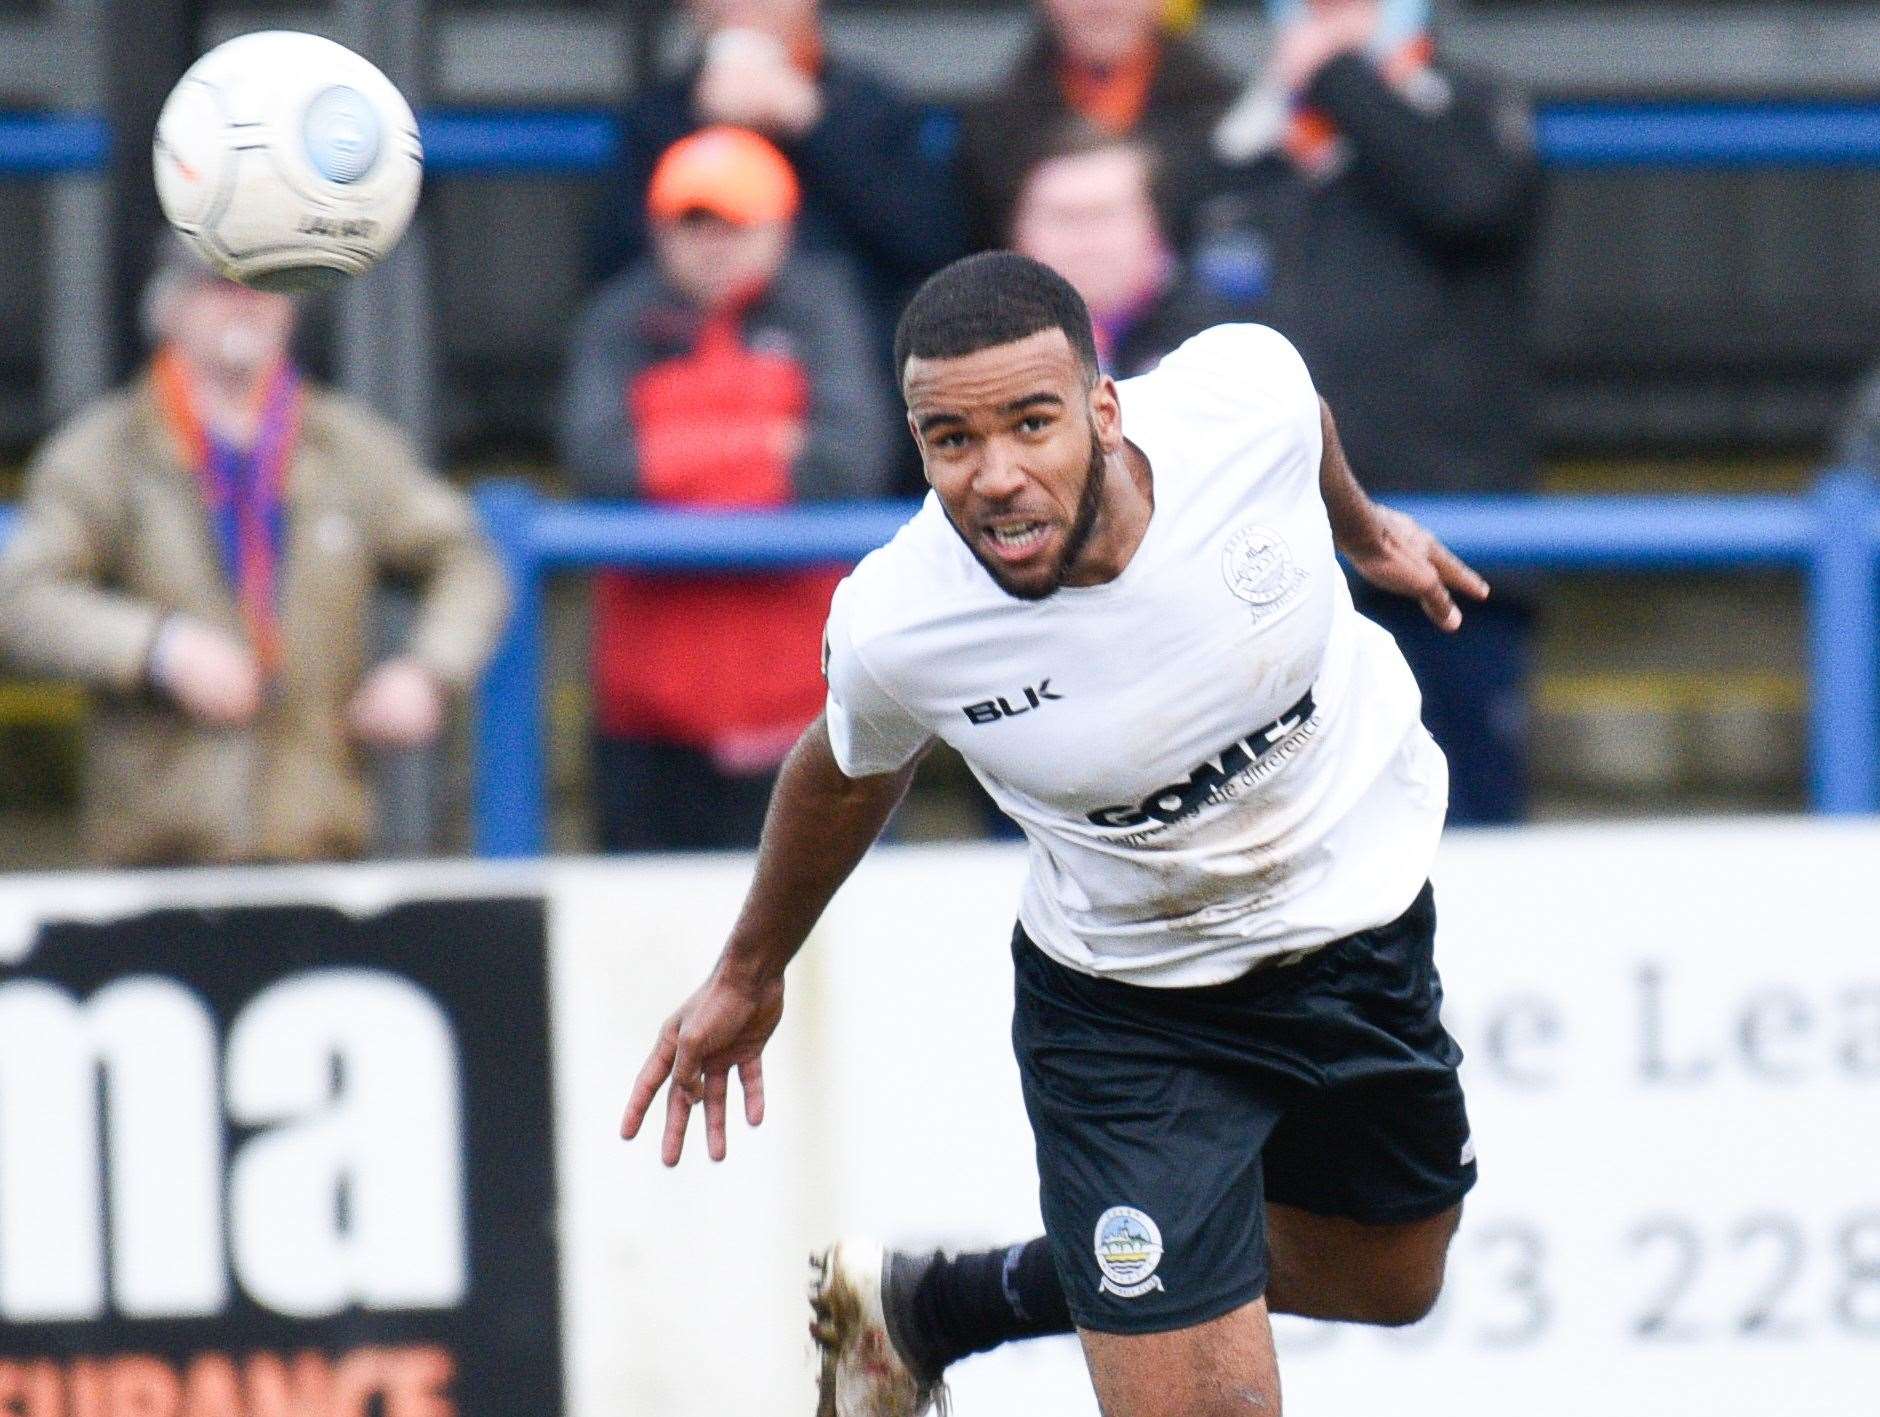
x,y
725,411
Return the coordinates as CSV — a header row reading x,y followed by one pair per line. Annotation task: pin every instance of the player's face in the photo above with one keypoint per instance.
x,y
1016,441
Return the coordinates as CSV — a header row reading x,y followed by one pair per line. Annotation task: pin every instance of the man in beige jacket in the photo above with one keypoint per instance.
x,y
202,549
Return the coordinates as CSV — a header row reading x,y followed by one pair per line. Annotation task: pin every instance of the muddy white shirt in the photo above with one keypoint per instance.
x,y
1214,757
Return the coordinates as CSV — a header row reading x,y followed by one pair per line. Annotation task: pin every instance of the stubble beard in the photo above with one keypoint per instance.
x,y
1083,527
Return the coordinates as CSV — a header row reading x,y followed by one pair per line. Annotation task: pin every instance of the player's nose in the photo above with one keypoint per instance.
x,y
998,475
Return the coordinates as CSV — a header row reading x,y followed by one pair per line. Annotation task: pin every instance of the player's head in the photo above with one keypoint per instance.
x,y
722,204
230,331
1016,425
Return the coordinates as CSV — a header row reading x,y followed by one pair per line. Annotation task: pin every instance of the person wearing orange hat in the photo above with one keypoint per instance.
x,y
725,370
875,167
723,205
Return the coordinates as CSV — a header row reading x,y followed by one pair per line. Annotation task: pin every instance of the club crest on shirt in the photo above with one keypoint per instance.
x,y
1129,1247
1259,568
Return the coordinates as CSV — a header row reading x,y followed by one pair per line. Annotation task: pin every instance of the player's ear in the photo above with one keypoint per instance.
x,y
1106,413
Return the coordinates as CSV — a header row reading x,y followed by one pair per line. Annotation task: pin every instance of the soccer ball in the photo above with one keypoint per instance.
x,y
287,161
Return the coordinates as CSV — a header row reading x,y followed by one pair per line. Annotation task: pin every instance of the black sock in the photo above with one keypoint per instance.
x,y
969,1303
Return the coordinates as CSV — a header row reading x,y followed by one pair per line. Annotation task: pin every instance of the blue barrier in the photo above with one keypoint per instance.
x,y
52,144
1832,536
583,142
475,142
1710,135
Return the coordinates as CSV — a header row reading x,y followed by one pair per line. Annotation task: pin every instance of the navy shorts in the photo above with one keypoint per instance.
x,y
1165,1118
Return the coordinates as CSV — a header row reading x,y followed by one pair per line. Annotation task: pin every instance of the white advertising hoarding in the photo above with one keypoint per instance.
x,y
1674,1075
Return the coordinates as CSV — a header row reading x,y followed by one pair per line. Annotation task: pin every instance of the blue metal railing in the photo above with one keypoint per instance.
x,y
52,144
1832,536
576,142
1710,134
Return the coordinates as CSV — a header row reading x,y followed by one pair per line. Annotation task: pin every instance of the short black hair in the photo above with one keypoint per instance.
x,y
994,298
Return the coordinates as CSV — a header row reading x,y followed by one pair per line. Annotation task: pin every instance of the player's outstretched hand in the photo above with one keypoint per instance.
x,y
1407,560
724,1025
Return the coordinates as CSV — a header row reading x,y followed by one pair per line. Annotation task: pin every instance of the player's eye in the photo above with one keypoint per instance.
x,y
1034,423
950,442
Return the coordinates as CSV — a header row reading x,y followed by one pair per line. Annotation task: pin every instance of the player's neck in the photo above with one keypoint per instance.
x,y
1123,514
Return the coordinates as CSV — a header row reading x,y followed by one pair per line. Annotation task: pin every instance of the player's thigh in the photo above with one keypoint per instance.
x,y
1149,1171
1222,1368
1333,1267
1383,1136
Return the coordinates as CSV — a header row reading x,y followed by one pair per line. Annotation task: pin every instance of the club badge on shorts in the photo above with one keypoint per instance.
x,y
1129,1247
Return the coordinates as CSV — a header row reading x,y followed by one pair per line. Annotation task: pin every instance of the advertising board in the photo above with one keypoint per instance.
x,y
278,1160
326,1143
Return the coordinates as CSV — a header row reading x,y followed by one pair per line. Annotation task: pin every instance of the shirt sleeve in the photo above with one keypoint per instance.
x,y
869,731
1251,378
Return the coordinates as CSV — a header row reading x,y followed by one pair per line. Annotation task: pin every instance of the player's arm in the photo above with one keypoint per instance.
x,y
820,825
1389,549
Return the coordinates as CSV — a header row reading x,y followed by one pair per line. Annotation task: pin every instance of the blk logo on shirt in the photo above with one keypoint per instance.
x,y
992,710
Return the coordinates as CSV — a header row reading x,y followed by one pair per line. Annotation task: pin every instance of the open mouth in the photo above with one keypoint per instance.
x,y
1014,541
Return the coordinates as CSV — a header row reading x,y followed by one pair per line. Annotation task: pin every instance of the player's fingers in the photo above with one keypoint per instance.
x,y
679,1099
1441,607
717,1086
751,1076
1458,574
646,1086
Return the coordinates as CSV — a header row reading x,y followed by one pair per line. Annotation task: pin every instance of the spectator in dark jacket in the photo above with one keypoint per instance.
x,y
1396,199
878,190
1111,63
720,372
1088,210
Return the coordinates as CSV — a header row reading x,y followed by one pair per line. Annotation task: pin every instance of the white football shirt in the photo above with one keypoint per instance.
x,y
1214,757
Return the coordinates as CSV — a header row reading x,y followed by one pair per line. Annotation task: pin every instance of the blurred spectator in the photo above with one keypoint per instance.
x,y
876,189
1860,435
1088,210
1396,199
723,372
202,549
1110,63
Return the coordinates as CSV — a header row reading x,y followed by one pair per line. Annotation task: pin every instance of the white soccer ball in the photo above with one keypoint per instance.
x,y
287,161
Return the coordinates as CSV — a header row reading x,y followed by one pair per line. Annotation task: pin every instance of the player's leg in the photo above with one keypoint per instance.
x,y
1365,1177
948,1307
1150,1182
890,1323
941,1308
1222,1368
1332,1267
1149,1177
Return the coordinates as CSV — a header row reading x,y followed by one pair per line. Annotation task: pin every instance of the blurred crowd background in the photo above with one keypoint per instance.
x,y
247,595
